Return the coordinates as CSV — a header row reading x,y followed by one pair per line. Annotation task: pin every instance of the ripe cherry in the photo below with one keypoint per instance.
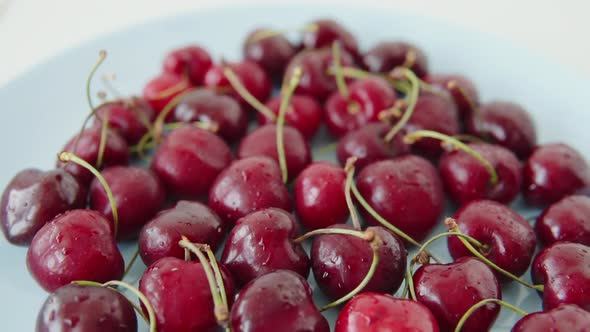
x,y
270,52
461,89
385,56
566,220
328,31
129,117
163,88
191,61
563,318
303,113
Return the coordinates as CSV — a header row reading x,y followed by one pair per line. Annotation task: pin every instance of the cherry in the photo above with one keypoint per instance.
x,y
76,245
508,239
206,106
159,237
504,123
328,31
406,191
563,318
368,312
271,52
385,56
365,99
552,172
566,220
564,269
138,196
192,61
304,114
248,185
129,117
163,88
368,145
340,262
189,159
461,89
87,147
449,290
179,296
276,301
34,197
466,179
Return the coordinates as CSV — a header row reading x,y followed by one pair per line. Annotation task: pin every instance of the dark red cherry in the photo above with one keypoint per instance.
x,y
566,220
189,159
271,53
129,117
340,262
449,290
326,33
34,197
76,245
262,242
385,56
504,123
369,312
368,97
406,191
552,172
509,239
116,152
263,142
191,61
159,238
179,292
466,179
163,88
277,301
368,145
563,318
206,106
564,269
464,105
248,185
138,195
304,114
86,308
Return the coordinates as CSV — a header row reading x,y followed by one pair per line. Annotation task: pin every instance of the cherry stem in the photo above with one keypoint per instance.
x,y
183,84
68,156
104,130
269,33
102,55
131,262
412,100
366,235
393,112
410,282
349,169
350,72
446,234
455,86
482,303
287,92
454,227
416,135
340,82
106,81
410,59
237,85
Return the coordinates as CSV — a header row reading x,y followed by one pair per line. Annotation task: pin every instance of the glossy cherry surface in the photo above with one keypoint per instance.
x,y
277,301
563,318
129,117
566,220
328,31
463,102
303,113
385,56
34,197
271,53
76,245
191,61
163,88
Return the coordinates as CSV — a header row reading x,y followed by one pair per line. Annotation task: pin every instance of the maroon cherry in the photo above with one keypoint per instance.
x,y
566,220
129,117
385,56
163,88
76,245
192,61
564,269
563,318
138,196
86,308
34,197
449,290
367,98
466,179
159,237
263,142
369,312
504,123
206,106
552,172
276,301
461,88
326,32
303,113
406,191
189,159
270,52
368,145
508,238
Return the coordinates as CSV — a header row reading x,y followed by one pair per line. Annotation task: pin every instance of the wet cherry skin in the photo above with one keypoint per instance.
x,y
303,113
464,105
192,61
385,56
129,117
271,53
563,318
565,220
163,88
327,32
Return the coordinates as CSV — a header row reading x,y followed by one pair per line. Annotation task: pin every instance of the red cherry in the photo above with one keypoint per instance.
x,y
189,159
326,33
385,56
563,318
76,245
369,312
564,269
34,197
128,117
192,61
449,290
271,53
303,113
464,105
566,220
86,308
163,88
277,301
552,172
406,191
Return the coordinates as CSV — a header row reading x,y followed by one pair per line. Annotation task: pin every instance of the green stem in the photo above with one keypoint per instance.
x,y
446,234
131,262
285,99
482,303
237,85
349,169
359,234
412,101
410,282
102,55
218,279
340,82
104,130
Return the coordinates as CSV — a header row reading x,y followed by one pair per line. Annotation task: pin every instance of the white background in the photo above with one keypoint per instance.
x,y
32,30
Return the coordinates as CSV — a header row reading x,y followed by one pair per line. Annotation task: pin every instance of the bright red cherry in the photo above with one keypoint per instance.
x,y
303,113
563,318
191,61
271,53
385,56
326,33
566,220
129,117
464,102
163,88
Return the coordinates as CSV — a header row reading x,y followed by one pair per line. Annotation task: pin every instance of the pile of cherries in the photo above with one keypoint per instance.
x,y
404,138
